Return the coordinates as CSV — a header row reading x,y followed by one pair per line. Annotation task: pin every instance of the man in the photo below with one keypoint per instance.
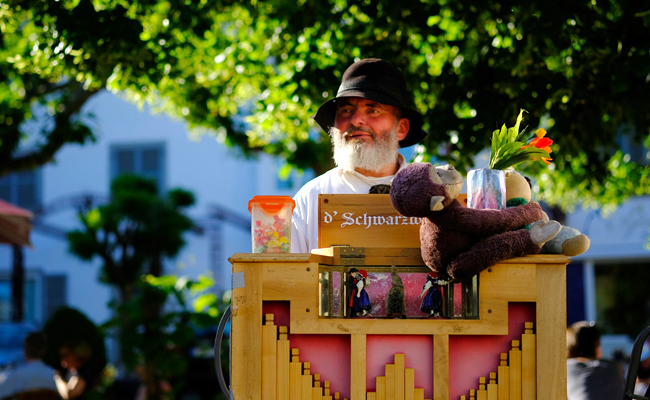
x,y
34,374
589,377
368,121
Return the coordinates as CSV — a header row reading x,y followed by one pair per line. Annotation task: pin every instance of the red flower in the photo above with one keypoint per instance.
x,y
541,143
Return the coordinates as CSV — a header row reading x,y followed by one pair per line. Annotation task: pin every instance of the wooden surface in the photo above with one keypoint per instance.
x,y
492,389
481,393
358,366
246,324
283,360
528,364
551,339
306,381
503,378
390,381
295,373
409,383
514,358
364,220
399,377
380,387
441,366
269,359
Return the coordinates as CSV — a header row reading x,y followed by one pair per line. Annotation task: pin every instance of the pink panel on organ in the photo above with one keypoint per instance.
x,y
328,355
474,356
418,354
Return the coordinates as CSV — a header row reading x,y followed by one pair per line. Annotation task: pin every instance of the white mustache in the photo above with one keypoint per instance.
x,y
353,129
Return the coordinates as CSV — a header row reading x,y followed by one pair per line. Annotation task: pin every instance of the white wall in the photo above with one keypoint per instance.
x,y
621,235
216,175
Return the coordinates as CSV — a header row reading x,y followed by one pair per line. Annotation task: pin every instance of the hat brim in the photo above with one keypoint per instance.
x,y
327,111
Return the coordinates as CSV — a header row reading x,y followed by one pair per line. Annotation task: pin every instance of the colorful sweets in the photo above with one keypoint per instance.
x,y
271,238
271,223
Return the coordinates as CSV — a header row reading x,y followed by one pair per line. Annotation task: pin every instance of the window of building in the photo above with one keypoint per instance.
x,y
22,189
54,294
29,300
622,297
146,160
42,296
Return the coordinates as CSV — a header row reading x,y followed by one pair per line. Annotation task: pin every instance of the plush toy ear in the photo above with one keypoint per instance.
x,y
436,203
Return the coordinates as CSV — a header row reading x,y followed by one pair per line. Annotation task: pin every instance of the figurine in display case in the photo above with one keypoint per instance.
x,y
395,300
432,301
359,302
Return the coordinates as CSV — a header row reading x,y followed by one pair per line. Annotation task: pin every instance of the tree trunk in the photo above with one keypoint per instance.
x,y
17,285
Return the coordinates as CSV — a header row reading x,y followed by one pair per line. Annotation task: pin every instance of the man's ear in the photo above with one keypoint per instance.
x,y
403,128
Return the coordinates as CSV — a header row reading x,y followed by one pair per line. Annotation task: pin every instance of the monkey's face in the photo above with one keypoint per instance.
x,y
448,176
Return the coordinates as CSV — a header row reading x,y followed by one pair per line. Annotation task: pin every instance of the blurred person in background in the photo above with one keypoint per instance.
x,y
78,379
34,374
589,377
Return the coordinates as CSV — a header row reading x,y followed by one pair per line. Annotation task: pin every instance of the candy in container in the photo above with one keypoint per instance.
x,y
271,223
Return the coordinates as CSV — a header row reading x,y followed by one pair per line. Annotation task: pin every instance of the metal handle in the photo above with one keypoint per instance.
x,y
217,353
633,369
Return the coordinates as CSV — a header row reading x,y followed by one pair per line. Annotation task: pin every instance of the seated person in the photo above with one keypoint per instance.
x,y
78,379
34,374
588,376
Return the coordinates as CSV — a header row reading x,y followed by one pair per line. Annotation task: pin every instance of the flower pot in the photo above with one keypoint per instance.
x,y
486,189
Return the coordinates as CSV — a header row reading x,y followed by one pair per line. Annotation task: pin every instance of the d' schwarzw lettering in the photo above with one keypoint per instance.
x,y
368,221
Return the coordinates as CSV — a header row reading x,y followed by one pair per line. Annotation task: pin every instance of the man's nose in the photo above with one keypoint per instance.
x,y
357,118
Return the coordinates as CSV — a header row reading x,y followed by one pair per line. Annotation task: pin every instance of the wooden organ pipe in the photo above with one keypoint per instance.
x,y
516,374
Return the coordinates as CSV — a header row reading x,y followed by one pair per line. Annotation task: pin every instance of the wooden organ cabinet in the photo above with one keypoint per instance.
x,y
502,335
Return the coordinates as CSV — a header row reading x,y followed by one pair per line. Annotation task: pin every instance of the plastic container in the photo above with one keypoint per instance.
x,y
271,223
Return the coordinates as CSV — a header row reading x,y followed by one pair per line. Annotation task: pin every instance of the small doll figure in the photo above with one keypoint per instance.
x,y
359,301
395,302
432,302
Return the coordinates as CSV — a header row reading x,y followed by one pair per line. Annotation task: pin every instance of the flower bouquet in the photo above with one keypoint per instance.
x,y
486,187
509,148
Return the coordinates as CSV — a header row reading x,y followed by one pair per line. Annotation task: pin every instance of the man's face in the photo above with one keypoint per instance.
x,y
366,134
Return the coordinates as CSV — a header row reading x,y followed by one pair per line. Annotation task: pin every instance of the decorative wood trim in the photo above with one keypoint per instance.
x,y
441,366
358,366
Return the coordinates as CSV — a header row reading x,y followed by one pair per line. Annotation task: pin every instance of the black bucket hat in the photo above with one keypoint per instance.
x,y
379,81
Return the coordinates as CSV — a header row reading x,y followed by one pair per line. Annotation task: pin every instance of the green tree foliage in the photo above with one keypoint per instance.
x,y
581,68
158,327
132,235
134,232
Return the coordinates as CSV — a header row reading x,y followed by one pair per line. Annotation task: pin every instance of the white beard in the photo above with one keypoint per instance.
x,y
357,153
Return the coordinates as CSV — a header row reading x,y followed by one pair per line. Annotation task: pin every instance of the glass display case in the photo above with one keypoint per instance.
x,y
337,287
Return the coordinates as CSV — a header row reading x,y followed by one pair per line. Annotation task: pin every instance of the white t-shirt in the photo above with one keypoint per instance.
x,y
304,233
31,375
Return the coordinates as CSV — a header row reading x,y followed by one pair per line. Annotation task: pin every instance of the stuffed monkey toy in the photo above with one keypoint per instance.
x,y
569,241
459,242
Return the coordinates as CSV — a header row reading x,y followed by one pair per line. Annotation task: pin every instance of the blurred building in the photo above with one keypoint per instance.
x,y
152,145
609,283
